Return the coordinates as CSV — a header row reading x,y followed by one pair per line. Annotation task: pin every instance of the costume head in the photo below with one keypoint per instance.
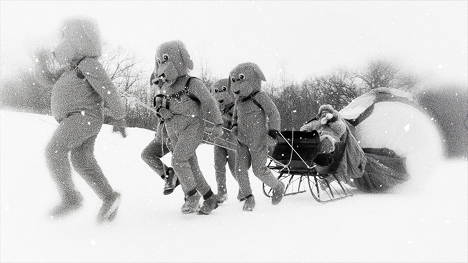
x,y
245,79
222,94
172,61
80,38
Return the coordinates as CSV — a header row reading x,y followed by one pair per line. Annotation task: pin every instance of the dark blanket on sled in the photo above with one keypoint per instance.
x,y
384,170
370,170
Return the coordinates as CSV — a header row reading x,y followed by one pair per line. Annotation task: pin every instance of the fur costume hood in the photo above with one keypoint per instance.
x,y
245,79
79,38
172,61
223,95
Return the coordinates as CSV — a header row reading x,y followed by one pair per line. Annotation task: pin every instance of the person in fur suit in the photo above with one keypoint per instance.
x,y
81,89
222,155
256,122
184,97
159,147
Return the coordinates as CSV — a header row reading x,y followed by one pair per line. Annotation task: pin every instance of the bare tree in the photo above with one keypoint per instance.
x,y
205,73
122,68
384,73
127,75
379,73
337,89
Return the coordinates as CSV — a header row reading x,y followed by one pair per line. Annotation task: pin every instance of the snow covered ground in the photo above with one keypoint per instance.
x,y
419,222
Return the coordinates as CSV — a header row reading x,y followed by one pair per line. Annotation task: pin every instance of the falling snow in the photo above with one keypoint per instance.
x,y
424,220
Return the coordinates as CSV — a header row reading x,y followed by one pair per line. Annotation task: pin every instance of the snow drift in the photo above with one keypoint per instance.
x,y
412,223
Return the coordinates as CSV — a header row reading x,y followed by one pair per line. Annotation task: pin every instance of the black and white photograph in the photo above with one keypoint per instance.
x,y
233,131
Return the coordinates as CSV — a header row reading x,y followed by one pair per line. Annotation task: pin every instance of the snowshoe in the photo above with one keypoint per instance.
x,y
109,207
249,204
278,192
192,202
171,181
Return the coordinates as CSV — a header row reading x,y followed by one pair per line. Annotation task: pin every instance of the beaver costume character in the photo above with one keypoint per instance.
x,y
223,155
81,89
256,122
183,98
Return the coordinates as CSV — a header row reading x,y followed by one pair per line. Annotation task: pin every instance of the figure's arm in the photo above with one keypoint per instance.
x,y
97,77
234,128
274,119
201,92
43,74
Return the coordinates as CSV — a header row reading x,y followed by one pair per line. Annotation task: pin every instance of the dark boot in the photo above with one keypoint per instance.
x,y
109,207
171,181
70,202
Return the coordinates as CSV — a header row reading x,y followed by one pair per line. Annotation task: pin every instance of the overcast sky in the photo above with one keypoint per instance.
x,y
303,38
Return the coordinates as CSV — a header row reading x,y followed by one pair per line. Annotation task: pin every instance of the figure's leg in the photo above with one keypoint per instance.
x,y
211,200
71,133
231,159
84,162
184,146
86,165
220,160
243,162
242,165
152,155
259,168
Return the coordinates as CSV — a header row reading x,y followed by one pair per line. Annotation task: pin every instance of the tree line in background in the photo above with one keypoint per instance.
x,y
296,102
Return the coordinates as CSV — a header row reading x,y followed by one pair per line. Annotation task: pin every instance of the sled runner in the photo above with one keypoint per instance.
x,y
297,160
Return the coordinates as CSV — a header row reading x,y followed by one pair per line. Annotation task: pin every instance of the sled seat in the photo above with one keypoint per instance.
x,y
293,158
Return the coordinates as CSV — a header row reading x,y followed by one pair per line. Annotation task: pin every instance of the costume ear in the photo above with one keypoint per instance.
x,y
185,55
229,83
258,72
156,67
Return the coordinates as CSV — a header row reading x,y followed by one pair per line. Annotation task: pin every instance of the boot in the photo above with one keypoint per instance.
x,y
109,207
278,192
171,181
249,204
70,203
210,204
192,202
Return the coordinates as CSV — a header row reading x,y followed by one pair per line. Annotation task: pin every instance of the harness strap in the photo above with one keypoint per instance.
x,y
167,98
228,109
252,97
74,66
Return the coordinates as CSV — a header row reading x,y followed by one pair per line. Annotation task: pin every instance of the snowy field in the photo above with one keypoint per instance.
x,y
423,221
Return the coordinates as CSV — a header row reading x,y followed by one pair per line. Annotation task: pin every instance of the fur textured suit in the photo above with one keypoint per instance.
x,y
80,90
256,122
184,98
223,156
